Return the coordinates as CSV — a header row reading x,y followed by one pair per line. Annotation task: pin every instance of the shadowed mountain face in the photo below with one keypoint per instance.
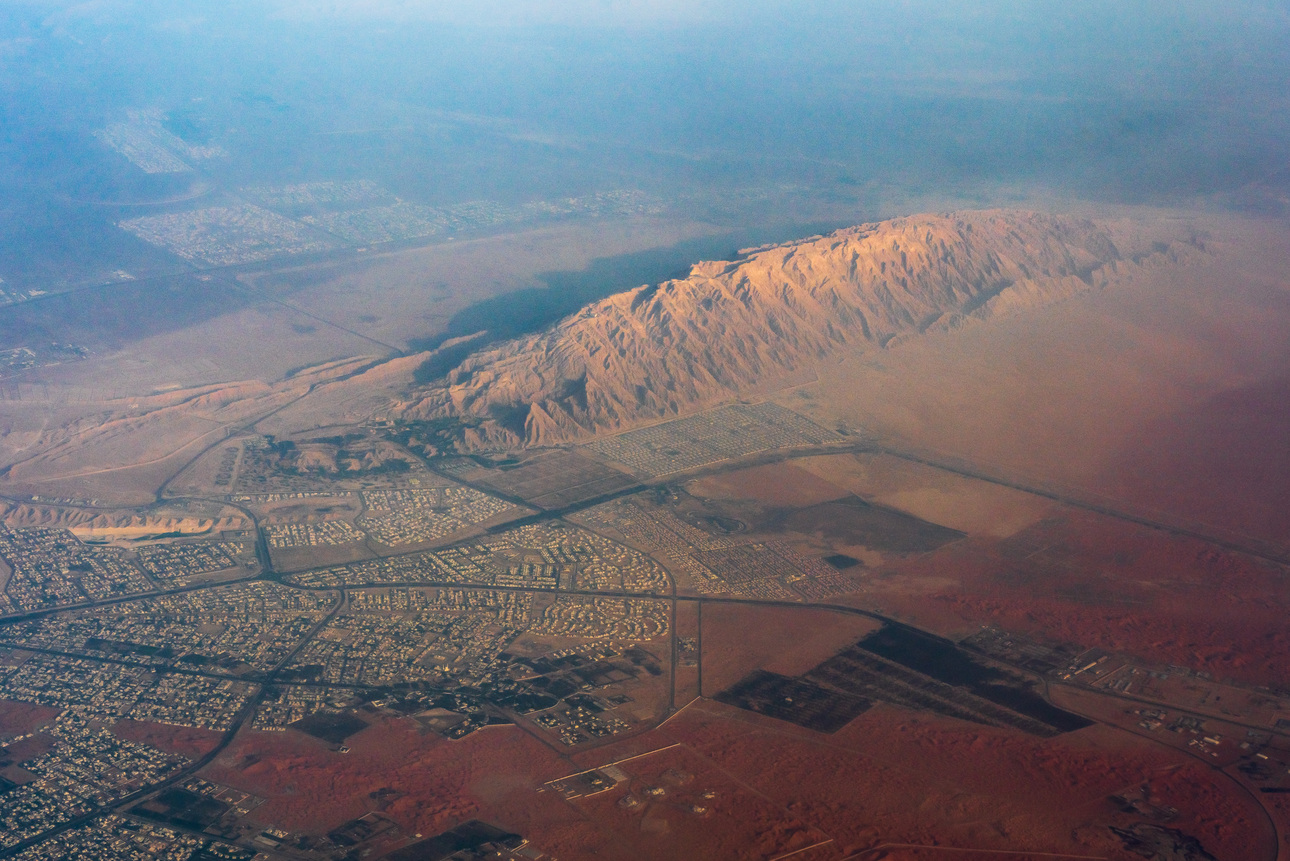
x,y
768,317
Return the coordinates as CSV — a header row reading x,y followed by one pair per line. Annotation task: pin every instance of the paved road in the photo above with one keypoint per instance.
x,y
267,572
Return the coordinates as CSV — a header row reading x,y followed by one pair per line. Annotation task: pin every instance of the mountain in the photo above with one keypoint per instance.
x,y
768,317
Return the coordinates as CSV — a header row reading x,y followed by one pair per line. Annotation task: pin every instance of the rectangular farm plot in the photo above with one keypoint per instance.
x,y
558,479
333,728
908,669
857,523
772,570
798,701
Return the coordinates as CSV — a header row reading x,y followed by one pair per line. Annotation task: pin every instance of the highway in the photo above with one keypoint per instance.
x,y
267,572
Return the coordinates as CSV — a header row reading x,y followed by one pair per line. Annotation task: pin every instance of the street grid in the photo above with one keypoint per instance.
x,y
432,633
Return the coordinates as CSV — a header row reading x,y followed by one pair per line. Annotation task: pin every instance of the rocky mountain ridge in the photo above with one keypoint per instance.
x,y
731,326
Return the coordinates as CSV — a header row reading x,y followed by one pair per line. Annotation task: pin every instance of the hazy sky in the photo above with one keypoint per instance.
x,y
1163,101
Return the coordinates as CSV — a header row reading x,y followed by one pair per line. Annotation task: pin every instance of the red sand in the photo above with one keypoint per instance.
x,y
1096,581
896,777
738,639
1223,462
184,740
493,775
735,822
21,718
774,484
889,777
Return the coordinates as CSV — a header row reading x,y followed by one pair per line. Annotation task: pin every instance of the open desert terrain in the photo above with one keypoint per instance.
x,y
561,431
952,536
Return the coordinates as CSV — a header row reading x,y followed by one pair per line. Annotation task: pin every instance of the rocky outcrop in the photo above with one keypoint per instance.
x,y
730,326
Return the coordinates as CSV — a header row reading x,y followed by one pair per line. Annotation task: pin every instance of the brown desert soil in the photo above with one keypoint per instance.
x,y
686,627
188,741
1279,806
1092,580
96,522
21,718
287,559
778,484
966,504
1222,463
92,430
737,821
411,293
738,639
1164,391
492,774
769,318
1074,394
893,776
123,449
307,510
